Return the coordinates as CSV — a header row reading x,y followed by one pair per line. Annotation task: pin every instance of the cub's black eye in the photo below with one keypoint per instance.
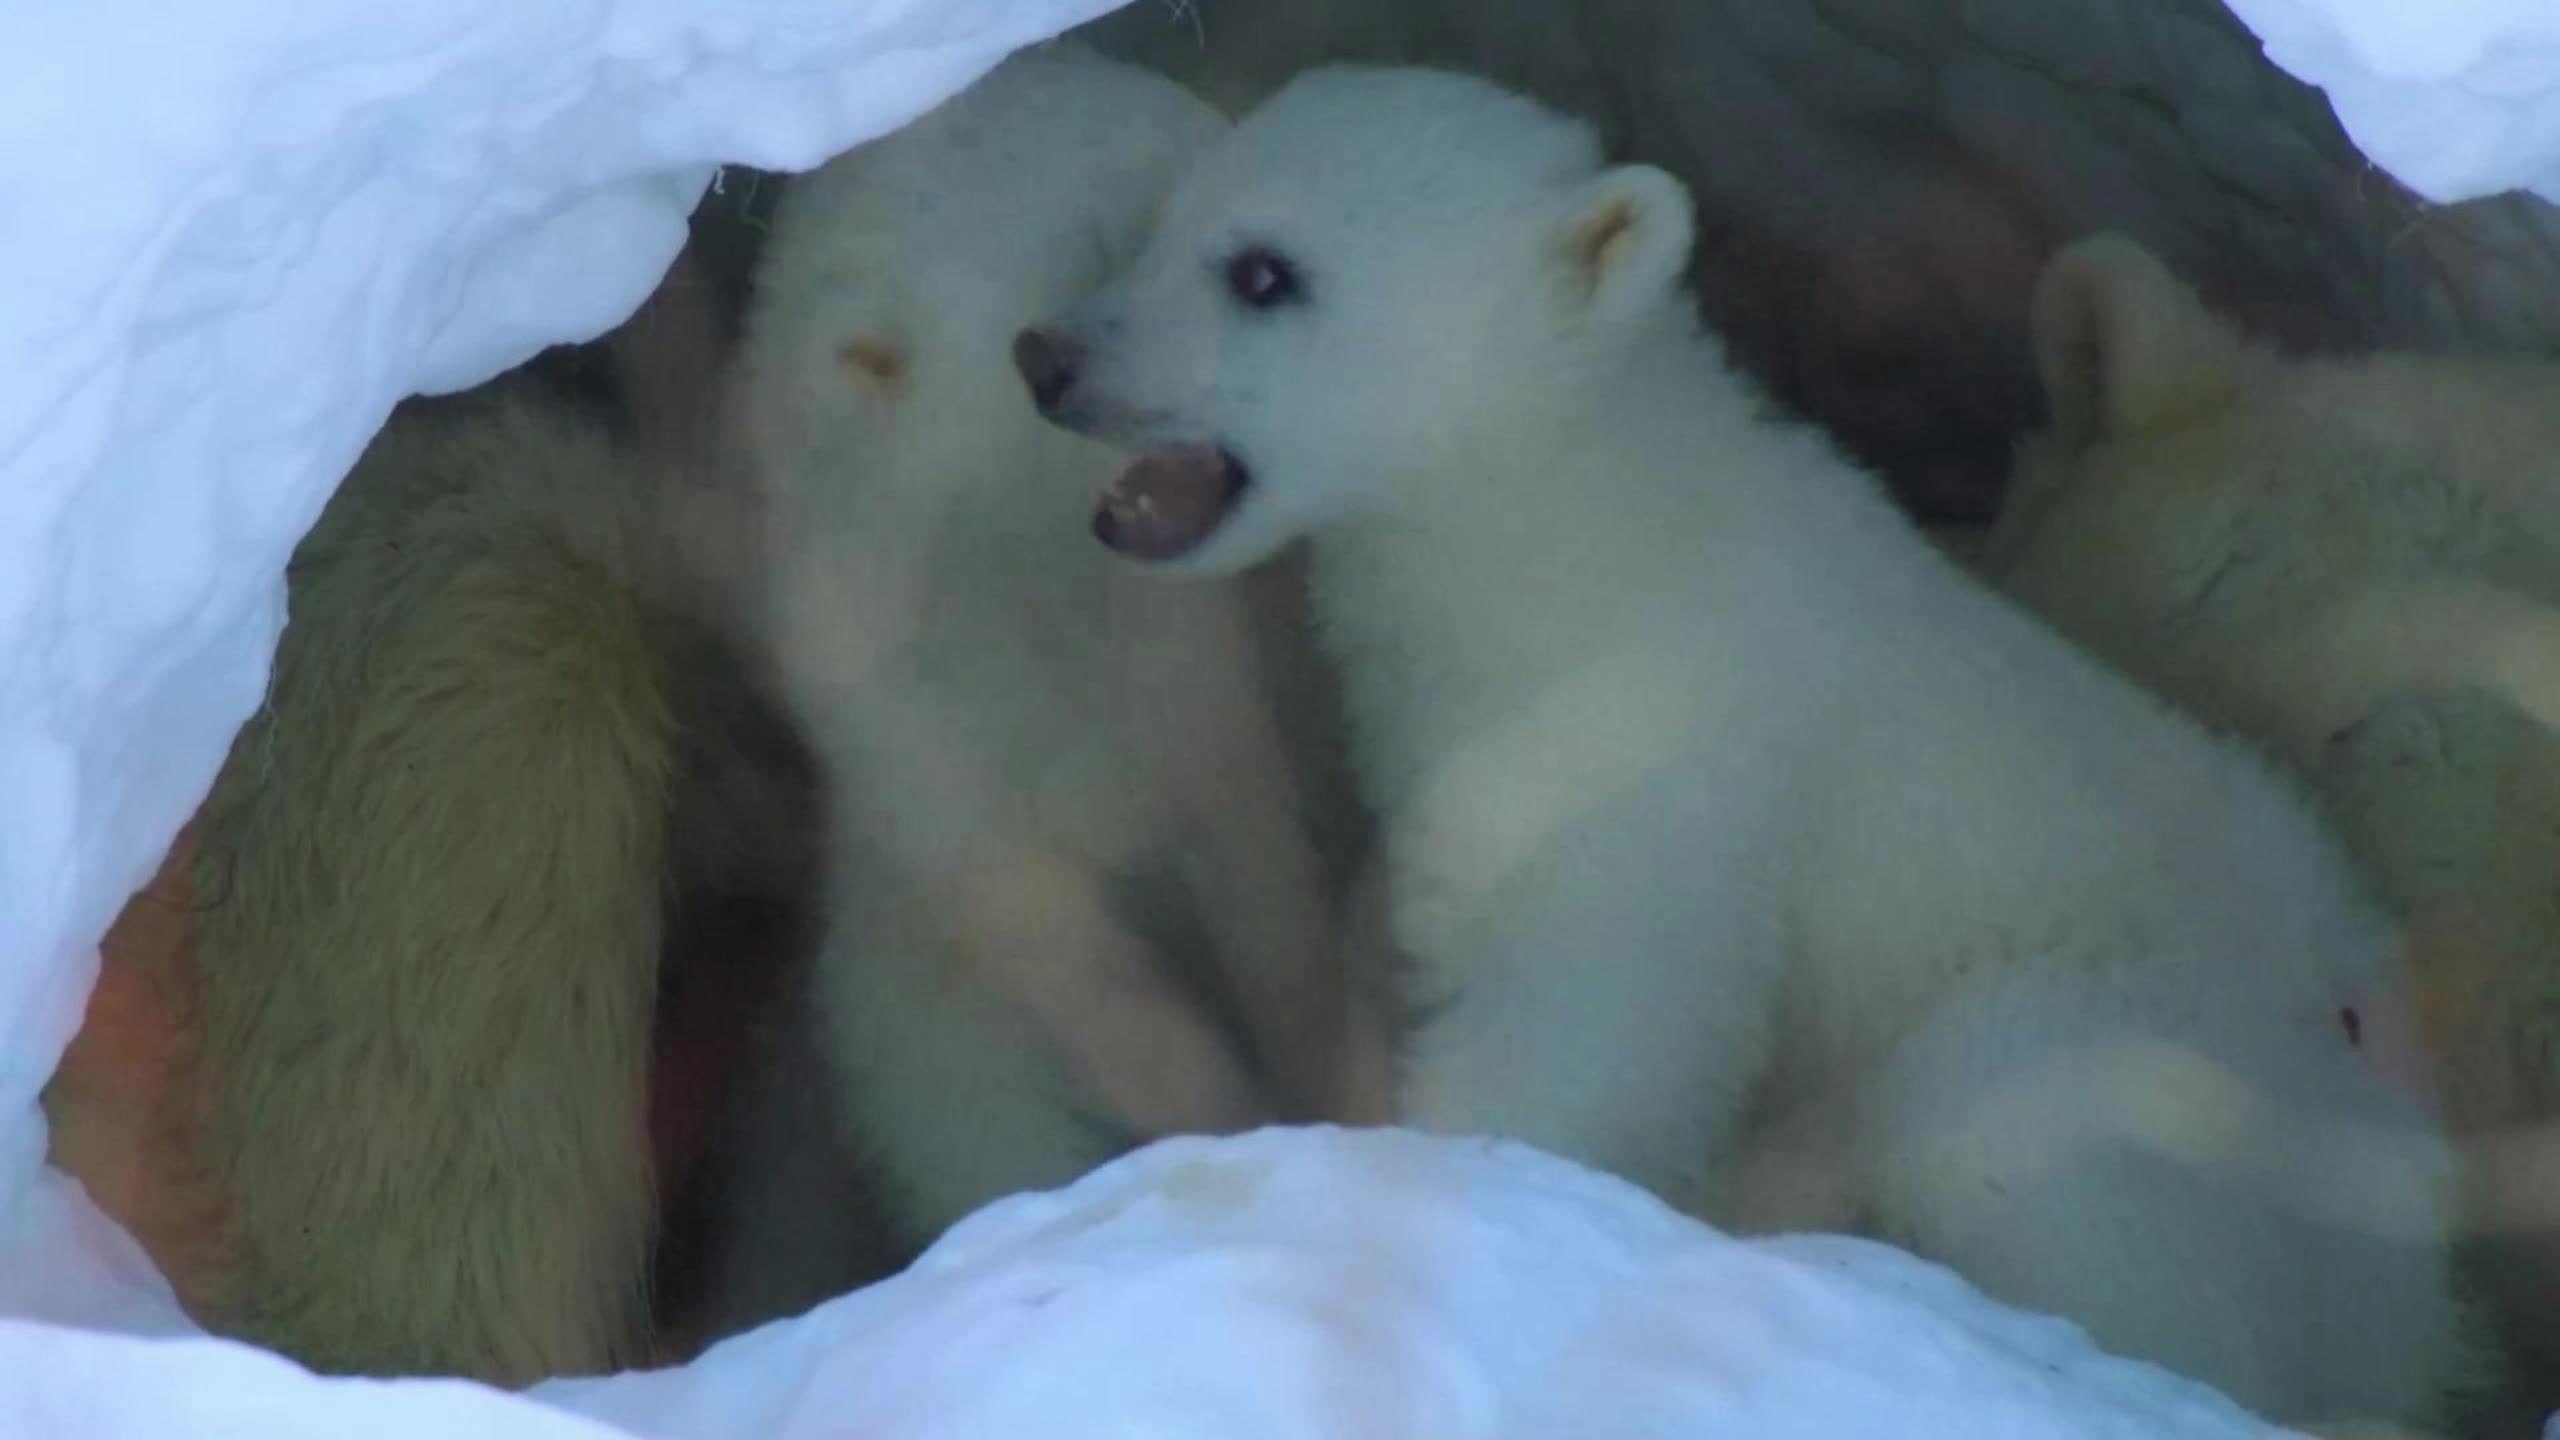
x,y
1262,278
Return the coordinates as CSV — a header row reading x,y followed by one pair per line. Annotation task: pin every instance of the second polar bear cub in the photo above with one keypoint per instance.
x,y
1059,792
1711,793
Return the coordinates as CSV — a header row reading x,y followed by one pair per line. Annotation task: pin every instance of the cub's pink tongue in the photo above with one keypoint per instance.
x,y
1167,502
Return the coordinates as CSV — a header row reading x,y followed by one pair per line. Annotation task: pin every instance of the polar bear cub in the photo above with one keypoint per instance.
x,y
2356,562
1713,796
2281,544
1059,793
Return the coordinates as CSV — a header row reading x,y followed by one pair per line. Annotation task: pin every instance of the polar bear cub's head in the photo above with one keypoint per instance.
x,y
875,364
1363,290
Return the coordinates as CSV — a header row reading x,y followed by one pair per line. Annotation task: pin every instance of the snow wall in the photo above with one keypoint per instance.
x,y
235,245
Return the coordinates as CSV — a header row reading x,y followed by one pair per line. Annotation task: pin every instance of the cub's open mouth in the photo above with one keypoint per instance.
x,y
1170,501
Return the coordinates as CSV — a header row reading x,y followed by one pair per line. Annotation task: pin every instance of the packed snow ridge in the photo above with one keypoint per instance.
x,y
240,234
1285,1285
240,253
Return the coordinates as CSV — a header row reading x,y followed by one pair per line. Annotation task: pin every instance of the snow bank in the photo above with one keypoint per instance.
x,y
1287,1285
238,234
2455,98
1331,1285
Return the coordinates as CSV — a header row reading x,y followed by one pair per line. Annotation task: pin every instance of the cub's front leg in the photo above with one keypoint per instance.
x,y
1611,1005
1594,951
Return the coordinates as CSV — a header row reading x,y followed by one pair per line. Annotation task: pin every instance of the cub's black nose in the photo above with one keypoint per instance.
x,y
1048,364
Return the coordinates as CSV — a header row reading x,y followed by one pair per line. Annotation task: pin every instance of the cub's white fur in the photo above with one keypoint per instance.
x,y
1719,806
1056,786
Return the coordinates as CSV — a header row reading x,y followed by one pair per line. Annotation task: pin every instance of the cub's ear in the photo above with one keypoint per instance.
x,y
1624,241
2122,344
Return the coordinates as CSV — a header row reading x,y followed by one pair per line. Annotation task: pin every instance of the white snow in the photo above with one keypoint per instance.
x,y
1333,1285
238,233
2455,98
1286,1285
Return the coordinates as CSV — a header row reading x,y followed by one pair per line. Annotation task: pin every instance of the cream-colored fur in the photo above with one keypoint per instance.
x,y
2357,563
2306,538
1720,806
430,882
1064,810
